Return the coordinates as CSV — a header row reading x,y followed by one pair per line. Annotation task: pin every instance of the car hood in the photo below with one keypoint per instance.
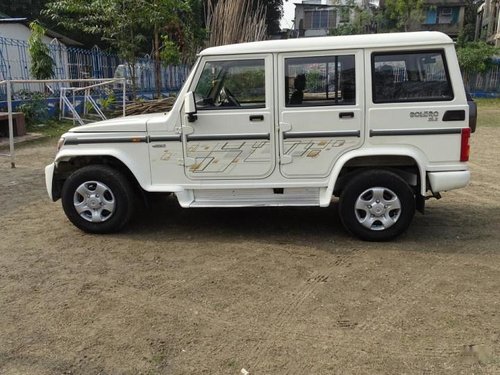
x,y
120,124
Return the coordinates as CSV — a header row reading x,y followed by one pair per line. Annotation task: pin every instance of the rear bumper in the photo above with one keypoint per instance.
x,y
49,178
443,181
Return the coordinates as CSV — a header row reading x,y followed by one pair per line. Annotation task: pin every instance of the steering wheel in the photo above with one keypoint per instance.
x,y
228,97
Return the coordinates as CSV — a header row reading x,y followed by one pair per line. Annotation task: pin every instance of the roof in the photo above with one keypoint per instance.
x,y
50,33
419,38
6,18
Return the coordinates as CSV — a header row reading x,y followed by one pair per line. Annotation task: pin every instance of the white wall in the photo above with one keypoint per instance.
x,y
18,31
18,57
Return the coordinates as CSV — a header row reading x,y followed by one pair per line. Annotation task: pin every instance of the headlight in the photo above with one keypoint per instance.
x,y
60,143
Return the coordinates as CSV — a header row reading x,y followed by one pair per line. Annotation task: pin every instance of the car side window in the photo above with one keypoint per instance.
x,y
410,77
232,84
320,81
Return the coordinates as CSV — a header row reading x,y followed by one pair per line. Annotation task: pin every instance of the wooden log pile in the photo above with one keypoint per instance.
x,y
149,106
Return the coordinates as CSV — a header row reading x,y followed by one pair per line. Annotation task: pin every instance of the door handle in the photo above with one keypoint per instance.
x,y
346,115
257,118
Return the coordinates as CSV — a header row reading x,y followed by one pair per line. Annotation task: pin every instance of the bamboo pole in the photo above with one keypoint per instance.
x,y
235,21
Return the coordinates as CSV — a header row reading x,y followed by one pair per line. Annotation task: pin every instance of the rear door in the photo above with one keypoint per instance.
x,y
417,100
321,105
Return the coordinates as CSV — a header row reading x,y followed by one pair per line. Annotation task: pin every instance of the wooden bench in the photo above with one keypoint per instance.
x,y
18,123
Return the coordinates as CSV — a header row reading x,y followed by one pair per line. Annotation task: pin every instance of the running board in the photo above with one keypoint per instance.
x,y
256,197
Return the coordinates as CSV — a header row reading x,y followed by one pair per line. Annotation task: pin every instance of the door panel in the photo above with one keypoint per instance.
x,y
321,112
232,136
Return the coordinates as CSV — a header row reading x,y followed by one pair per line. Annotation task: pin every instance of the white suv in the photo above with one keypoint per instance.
x,y
381,121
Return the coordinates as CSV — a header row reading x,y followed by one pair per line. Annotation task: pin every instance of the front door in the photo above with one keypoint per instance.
x,y
232,135
320,110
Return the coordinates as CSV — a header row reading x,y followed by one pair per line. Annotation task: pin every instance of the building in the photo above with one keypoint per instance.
x,y
488,22
447,16
14,36
319,17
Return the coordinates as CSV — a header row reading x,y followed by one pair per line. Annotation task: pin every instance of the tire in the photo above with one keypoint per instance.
x,y
98,199
377,205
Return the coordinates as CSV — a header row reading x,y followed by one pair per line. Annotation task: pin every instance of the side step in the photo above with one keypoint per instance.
x,y
256,197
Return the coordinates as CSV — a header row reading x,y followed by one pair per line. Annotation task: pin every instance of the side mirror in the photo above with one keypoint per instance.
x,y
190,107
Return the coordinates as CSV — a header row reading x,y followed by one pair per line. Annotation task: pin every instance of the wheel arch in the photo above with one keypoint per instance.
x,y
401,161
67,163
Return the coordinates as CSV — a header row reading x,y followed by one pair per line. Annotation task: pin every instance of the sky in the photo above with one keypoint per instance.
x,y
289,13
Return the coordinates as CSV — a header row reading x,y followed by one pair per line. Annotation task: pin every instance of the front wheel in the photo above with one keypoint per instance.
x,y
377,205
97,199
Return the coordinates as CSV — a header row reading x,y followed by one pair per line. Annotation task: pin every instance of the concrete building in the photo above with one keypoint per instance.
x,y
319,17
488,22
446,16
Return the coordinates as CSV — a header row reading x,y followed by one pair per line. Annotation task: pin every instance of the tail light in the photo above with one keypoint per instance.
x,y
464,145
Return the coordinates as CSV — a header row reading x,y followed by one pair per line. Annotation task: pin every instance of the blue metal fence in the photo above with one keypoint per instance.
x,y
484,85
78,63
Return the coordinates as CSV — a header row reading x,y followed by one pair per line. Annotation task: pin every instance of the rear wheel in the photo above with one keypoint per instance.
x,y
377,205
97,199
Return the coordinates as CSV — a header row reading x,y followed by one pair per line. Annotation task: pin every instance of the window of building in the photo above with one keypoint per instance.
x,y
445,15
232,84
431,16
318,81
442,15
410,77
320,19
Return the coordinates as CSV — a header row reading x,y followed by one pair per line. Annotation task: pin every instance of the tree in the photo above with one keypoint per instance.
x,y
42,64
128,25
112,20
404,12
274,11
475,57
467,34
23,8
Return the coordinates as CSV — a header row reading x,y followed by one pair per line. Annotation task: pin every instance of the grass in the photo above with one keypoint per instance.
x,y
488,103
51,128
488,112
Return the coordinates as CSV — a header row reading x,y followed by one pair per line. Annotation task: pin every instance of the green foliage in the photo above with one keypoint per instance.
x,y
467,34
274,11
248,85
131,26
107,102
34,107
365,21
53,128
475,57
115,21
346,29
194,33
315,81
41,66
169,53
404,13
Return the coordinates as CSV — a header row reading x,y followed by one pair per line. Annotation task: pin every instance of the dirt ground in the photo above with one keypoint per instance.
x,y
271,291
